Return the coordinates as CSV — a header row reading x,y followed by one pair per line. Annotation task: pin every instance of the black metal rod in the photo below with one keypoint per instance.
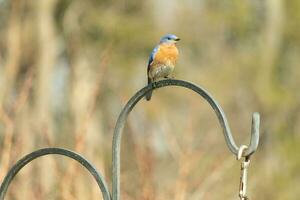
x,y
46,151
116,146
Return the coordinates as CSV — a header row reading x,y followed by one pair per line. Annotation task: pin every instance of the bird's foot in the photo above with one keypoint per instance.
x,y
170,77
154,84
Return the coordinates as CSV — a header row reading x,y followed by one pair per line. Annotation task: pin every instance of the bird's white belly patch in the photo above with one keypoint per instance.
x,y
161,71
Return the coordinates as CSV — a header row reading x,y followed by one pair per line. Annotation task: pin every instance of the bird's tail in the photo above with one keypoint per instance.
x,y
149,94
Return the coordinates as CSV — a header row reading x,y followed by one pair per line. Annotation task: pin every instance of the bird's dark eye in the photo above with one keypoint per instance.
x,y
169,38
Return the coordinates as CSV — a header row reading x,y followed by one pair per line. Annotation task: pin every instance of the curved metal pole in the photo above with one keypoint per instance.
x,y
46,151
116,146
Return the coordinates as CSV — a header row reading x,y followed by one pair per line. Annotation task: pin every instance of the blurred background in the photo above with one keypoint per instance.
x,y
67,68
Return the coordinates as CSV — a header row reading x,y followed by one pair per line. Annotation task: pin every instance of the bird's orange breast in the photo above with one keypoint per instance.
x,y
167,53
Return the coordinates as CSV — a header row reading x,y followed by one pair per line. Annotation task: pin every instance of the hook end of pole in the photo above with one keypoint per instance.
x,y
254,134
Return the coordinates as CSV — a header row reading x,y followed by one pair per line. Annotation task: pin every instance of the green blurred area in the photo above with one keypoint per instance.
x,y
67,67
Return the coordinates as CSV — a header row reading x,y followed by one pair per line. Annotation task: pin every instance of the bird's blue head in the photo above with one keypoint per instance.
x,y
169,39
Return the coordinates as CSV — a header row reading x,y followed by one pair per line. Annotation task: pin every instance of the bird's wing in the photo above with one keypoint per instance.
x,y
152,56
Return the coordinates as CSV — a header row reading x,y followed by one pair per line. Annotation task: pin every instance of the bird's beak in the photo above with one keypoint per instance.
x,y
177,39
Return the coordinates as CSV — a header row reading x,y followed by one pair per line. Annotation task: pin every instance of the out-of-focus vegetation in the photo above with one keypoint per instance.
x,y
67,67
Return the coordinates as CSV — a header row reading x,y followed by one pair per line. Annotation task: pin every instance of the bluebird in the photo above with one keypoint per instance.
x,y
162,60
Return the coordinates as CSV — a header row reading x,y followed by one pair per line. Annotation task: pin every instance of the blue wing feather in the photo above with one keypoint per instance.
x,y
151,58
152,55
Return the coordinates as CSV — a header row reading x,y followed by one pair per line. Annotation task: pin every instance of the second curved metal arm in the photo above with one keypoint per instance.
x,y
46,151
170,82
